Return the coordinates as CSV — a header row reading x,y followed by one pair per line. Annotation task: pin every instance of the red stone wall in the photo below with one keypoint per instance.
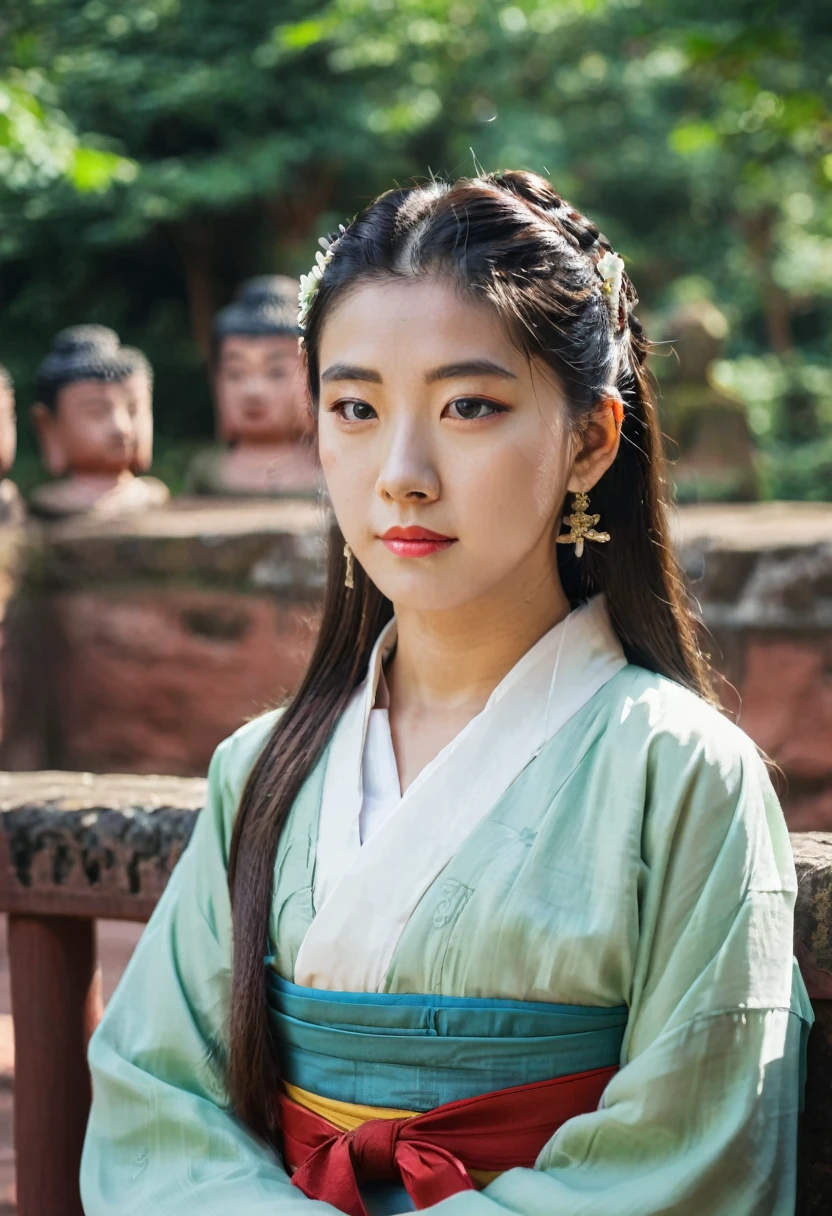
x,y
787,709
151,681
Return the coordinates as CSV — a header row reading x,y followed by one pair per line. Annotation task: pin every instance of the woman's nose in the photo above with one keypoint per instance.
x,y
409,471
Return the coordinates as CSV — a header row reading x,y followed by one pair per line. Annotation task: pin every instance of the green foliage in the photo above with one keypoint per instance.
x,y
153,154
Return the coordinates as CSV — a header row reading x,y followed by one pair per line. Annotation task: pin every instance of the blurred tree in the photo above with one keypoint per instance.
x,y
183,146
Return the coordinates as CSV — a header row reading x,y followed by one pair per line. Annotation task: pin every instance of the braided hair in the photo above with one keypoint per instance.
x,y
511,241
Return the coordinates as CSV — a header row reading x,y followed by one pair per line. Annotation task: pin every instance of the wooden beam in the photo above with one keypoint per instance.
x,y
56,1005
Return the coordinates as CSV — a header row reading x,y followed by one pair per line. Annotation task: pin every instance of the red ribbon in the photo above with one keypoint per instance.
x,y
432,1154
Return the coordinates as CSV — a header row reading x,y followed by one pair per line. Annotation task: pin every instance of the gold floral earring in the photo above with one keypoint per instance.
x,y
349,579
581,525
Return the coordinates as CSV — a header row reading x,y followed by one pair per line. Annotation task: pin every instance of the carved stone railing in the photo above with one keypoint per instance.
x,y
74,848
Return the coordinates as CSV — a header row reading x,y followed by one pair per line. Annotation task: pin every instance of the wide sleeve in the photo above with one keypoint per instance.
x,y
701,1119
161,1137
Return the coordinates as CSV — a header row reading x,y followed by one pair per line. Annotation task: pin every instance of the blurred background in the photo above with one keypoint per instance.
x,y
155,154
152,155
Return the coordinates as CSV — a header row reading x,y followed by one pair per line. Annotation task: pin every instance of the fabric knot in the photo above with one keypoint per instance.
x,y
373,1150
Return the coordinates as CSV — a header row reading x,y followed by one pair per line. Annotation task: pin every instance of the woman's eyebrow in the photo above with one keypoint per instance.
x,y
470,367
450,371
348,371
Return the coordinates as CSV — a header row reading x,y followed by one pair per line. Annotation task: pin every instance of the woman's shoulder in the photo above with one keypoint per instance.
x,y
676,730
699,779
701,783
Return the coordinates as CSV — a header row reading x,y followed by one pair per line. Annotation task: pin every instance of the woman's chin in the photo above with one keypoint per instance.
x,y
421,590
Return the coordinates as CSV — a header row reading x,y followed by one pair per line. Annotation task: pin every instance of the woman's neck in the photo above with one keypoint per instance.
x,y
451,661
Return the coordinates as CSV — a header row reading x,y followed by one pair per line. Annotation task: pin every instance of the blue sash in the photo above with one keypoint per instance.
x,y
419,1052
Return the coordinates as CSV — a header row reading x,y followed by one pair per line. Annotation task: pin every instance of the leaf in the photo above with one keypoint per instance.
x,y
690,138
93,170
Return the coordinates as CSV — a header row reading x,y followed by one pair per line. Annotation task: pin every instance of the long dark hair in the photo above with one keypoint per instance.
x,y
507,239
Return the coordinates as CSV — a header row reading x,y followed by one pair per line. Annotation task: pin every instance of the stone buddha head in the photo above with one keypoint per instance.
x,y
698,330
710,445
258,386
83,416
94,423
260,398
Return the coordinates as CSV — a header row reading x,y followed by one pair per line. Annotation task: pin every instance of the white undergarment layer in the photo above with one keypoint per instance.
x,y
379,775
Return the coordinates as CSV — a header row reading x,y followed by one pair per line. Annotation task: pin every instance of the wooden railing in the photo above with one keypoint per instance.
x,y
75,848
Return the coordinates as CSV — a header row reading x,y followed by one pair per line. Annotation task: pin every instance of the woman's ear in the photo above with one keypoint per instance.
x,y
51,448
600,441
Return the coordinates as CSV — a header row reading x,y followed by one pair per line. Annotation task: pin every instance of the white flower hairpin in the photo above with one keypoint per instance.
x,y
309,283
611,269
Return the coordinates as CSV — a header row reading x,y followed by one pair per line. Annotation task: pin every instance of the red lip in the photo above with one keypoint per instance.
x,y
414,533
415,541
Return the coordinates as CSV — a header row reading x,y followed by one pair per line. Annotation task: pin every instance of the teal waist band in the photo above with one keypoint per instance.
x,y
417,1052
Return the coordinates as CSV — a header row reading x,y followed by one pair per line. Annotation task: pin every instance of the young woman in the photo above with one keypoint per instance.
x,y
497,915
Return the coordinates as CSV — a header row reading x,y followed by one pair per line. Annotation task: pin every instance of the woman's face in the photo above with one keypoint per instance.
x,y
431,419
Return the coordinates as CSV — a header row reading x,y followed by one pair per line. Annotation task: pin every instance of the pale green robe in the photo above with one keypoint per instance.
x,y
641,858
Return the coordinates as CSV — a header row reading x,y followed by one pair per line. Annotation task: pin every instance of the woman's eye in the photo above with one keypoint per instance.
x,y
354,411
472,408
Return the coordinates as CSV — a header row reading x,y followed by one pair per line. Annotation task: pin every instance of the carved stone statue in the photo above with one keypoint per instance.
x,y
12,510
711,447
94,422
259,397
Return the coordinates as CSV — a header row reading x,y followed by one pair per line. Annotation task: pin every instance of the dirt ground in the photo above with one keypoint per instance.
x,y
116,940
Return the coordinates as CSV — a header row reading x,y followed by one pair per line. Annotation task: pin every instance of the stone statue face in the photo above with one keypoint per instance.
x,y
8,429
140,389
91,430
259,390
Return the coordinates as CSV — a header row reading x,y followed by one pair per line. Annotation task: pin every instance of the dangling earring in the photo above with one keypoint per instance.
x,y
349,580
581,525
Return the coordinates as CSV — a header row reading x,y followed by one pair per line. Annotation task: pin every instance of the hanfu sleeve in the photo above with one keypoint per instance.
x,y
161,1137
701,1118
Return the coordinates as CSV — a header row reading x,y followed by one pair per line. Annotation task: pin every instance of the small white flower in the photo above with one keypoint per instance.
x,y
309,283
324,241
611,269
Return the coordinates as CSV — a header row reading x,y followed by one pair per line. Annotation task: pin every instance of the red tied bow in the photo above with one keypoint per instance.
x,y
432,1154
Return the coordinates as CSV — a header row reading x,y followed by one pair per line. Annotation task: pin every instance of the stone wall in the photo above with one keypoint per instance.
x,y
137,645
762,577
